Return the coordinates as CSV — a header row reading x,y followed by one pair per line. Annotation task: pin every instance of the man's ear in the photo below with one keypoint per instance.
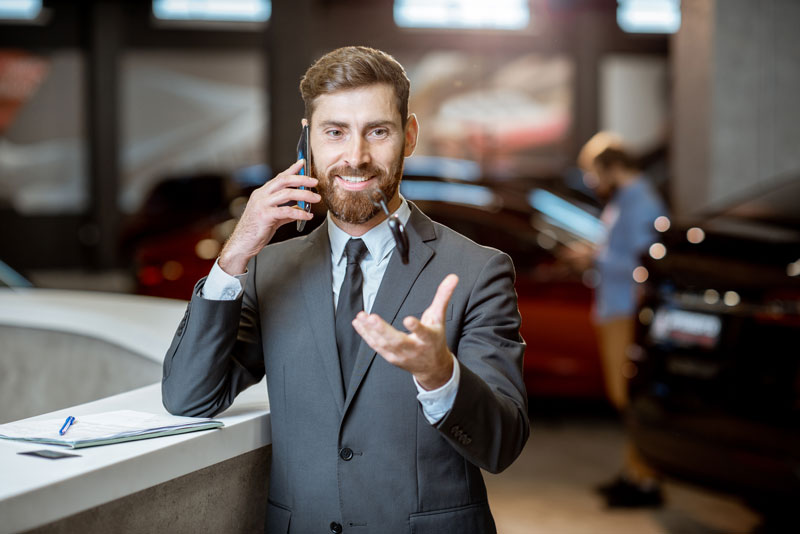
x,y
411,134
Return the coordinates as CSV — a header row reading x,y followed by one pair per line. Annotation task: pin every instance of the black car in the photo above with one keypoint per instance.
x,y
716,395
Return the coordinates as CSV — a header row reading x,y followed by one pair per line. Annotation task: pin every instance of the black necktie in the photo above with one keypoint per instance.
x,y
350,303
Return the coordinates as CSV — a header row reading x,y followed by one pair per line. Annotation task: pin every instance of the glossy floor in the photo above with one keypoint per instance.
x,y
549,489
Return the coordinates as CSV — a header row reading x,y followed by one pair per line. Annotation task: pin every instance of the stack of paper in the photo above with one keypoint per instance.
x,y
104,428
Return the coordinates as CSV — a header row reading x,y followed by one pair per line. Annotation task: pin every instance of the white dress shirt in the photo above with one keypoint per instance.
x,y
380,244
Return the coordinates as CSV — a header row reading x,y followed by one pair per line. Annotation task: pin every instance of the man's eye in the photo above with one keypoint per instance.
x,y
380,132
334,133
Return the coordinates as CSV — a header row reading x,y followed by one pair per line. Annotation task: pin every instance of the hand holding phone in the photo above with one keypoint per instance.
x,y
270,206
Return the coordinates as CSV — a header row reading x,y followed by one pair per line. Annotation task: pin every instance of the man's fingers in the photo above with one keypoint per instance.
x,y
288,195
267,209
280,179
417,327
372,326
286,214
372,335
378,334
436,310
295,167
411,323
444,292
289,180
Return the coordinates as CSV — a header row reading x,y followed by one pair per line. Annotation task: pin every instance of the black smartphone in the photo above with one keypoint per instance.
x,y
304,152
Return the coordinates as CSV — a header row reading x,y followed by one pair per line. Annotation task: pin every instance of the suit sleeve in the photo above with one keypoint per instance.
x,y
488,423
215,354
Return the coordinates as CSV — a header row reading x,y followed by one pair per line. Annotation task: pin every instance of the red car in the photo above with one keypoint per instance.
x,y
561,359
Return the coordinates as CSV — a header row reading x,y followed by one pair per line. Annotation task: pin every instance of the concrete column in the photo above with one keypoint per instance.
x,y
737,119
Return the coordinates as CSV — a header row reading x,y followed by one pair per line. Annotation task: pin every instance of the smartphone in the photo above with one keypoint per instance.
x,y
304,152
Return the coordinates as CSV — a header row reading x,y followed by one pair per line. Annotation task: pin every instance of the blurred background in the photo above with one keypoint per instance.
x,y
131,134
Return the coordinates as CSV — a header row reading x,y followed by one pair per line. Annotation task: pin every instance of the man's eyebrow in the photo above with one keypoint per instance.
x,y
383,123
380,123
335,124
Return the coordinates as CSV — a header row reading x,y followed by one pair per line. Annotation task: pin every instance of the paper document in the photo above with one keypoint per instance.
x,y
104,428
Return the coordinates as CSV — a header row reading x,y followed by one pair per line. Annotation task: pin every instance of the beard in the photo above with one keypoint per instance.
x,y
356,207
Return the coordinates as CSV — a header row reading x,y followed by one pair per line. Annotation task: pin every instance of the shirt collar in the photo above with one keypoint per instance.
x,y
379,240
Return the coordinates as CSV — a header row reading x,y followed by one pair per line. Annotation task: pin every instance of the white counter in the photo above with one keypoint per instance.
x,y
36,491
143,325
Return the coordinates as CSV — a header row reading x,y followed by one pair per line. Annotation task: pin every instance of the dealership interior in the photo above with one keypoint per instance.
x,y
132,135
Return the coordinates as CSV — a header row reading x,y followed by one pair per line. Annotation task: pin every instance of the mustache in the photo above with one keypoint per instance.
x,y
360,172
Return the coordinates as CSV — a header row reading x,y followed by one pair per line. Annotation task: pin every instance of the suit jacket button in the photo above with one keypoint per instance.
x,y
346,454
336,528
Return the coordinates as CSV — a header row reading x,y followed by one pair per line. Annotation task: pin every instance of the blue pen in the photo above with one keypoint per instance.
x,y
67,424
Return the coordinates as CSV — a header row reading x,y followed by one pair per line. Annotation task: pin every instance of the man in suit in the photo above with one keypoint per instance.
x,y
381,419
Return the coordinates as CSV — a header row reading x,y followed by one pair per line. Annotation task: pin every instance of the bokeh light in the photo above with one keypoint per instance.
x,y
630,370
695,235
546,239
662,223
731,298
657,251
591,278
640,274
646,316
207,249
172,270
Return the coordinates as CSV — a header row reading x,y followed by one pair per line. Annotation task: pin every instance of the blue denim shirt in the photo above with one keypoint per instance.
x,y
628,218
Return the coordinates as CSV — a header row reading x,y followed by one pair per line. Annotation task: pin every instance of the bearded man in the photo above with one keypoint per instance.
x,y
385,403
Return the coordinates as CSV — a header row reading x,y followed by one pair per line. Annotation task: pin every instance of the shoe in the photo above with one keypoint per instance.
x,y
622,493
605,487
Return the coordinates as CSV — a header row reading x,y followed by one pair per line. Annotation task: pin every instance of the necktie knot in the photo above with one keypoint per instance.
x,y
355,250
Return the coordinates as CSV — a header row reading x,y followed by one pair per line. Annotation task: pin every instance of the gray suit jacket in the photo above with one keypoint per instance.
x,y
368,460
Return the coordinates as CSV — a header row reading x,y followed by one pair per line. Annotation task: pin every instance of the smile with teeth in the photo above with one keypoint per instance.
x,y
354,179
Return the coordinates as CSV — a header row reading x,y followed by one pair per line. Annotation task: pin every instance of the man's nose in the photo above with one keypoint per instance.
x,y
357,152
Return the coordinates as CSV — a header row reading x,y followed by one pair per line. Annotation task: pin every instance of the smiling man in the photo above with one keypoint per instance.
x,y
391,384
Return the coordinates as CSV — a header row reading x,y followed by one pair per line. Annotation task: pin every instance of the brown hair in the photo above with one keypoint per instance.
x,y
614,156
606,149
351,67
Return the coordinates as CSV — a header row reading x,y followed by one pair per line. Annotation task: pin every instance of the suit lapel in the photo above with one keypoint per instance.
x,y
318,295
395,286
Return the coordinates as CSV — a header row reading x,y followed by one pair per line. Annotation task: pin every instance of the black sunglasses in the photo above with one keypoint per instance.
x,y
397,228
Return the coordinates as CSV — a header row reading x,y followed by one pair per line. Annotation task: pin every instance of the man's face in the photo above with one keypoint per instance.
x,y
358,143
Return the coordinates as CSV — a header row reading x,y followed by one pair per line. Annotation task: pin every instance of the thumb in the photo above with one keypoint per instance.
x,y
436,311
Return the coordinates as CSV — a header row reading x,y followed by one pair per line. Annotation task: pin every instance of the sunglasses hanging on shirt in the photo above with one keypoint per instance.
x,y
397,228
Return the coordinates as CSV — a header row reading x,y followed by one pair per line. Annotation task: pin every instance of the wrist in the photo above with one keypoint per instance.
x,y
232,264
437,378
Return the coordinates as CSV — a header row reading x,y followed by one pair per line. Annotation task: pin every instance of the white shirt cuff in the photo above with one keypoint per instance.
x,y
437,402
222,286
